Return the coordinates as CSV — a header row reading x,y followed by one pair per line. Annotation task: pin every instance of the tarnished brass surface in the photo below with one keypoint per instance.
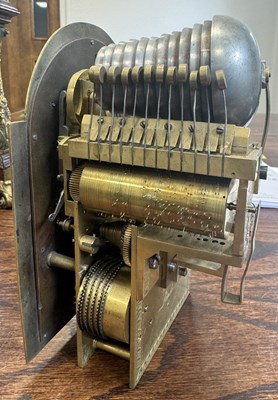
x,y
116,316
89,244
78,97
104,300
237,137
119,233
160,198
236,166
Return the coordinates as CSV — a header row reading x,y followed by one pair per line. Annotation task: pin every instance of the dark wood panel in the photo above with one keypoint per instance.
x,y
212,351
20,51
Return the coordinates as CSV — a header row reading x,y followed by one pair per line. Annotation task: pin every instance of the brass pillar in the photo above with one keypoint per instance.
x,y
7,11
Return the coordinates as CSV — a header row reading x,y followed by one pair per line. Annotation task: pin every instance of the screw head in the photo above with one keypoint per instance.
x,y
143,124
191,128
154,262
220,130
172,267
60,178
168,126
183,271
122,122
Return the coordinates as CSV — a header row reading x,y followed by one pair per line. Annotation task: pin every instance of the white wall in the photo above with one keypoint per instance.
x,y
124,19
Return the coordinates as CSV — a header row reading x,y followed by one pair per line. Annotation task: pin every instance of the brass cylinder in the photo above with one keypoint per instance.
x,y
186,202
89,244
119,233
103,303
113,232
116,312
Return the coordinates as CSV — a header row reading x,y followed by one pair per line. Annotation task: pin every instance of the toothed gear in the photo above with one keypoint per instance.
x,y
93,294
126,244
74,183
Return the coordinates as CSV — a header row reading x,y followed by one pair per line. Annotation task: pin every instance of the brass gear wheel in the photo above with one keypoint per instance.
x,y
126,244
119,234
103,300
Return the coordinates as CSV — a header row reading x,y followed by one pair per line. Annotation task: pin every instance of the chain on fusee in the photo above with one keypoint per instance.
x,y
155,175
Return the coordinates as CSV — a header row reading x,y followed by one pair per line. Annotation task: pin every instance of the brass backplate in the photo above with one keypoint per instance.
x,y
46,294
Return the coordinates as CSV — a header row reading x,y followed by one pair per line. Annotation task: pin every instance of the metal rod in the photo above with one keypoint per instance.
x,y
157,122
182,78
90,127
66,225
169,124
123,126
58,260
113,348
99,121
146,122
194,130
133,123
136,77
224,133
208,135
112,121
222,85
182,127
267,116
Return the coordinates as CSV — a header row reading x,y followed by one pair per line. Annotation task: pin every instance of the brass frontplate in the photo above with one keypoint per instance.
x,y
153,313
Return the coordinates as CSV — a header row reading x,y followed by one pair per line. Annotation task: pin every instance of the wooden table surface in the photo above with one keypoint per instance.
x,y
212,351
